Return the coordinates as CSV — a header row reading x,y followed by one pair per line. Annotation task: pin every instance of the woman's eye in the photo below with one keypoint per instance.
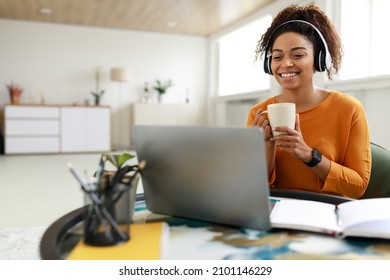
x,y
298,55
276,57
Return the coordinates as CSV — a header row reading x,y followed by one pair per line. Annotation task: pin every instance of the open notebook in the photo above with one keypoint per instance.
x,y
207,173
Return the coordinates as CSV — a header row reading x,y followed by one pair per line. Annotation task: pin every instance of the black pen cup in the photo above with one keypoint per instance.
x,y
107,219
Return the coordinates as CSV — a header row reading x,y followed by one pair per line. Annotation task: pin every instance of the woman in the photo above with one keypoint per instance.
x,y
329,149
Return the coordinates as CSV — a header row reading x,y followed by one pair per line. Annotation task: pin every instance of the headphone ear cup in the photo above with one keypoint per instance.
x,y
324,61
319,65
327,60
267,65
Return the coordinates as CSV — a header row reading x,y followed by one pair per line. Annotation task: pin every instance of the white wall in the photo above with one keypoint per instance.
x,y
59,62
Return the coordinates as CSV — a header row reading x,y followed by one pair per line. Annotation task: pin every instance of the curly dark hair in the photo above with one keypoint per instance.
x,y
313,15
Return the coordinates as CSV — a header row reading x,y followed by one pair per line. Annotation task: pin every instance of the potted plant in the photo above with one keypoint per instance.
x,y
98,93
124,178
122,169
14,92
162,88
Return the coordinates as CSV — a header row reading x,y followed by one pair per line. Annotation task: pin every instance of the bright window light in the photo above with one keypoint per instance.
x,y
363,34
237,70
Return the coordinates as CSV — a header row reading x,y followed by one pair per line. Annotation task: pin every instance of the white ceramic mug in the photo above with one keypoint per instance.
x,y
281,114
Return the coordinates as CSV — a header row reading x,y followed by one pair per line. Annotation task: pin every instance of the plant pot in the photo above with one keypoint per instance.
x,y
159,97
15,96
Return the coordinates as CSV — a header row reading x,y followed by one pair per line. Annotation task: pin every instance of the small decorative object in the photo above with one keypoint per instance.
x,y
187,95
97,94
162,88
112,197
41,99
146,94
14,92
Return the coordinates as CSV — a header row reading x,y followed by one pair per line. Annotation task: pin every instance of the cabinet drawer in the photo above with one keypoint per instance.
x,y
26,145
32,127
38,112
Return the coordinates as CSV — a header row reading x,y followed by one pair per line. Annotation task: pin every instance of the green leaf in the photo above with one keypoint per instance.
x,y
123,158
118,160
111,158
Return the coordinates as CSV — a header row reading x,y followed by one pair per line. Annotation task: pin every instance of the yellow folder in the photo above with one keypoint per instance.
x,y
147,243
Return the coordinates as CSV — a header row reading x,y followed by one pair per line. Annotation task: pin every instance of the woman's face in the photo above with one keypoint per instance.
x,y
292,60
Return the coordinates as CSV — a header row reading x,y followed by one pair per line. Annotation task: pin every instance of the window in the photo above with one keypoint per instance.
x,y
363,33
237,70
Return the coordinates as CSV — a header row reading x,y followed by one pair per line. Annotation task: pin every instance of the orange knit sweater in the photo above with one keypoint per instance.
x,y
338,128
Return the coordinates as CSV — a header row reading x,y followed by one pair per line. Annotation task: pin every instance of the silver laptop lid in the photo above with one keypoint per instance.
x,y
207,173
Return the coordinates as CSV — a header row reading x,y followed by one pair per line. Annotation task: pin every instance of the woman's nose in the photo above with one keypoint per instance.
x,y
287,63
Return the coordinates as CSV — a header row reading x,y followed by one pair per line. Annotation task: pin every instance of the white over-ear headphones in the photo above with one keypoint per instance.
x,y
321,63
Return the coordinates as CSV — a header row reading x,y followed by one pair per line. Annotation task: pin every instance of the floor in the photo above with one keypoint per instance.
x,y
35,190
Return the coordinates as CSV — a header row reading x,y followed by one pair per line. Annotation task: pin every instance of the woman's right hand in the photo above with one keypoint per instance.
x,y
261,121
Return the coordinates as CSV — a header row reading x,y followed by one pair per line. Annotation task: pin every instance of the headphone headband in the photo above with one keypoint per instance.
x,y
322,62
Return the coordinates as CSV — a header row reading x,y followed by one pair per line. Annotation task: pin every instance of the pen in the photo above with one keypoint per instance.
x,y
337,212
93,196
97,202
106,230
99,173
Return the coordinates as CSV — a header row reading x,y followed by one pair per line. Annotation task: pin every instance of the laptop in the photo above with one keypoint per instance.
x,y
213,174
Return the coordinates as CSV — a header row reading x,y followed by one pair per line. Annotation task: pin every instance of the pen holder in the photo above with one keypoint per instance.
x,y
108,218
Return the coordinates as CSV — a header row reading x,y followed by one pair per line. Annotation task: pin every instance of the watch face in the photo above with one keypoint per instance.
x,y
317,156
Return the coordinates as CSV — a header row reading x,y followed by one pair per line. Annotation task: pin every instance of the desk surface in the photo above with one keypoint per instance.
x,y
191,239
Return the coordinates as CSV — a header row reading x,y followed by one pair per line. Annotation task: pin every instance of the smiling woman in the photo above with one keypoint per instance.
x,y
292,60
334,158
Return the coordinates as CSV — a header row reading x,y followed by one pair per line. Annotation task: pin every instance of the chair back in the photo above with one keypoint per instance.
x,y
379,184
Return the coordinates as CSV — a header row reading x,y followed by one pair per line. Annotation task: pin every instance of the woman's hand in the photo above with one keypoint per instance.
x,y
292,141
261,121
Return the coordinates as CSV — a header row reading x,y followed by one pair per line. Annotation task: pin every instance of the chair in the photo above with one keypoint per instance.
x,y
379,184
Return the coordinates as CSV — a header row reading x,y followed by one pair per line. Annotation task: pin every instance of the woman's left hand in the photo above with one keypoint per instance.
x,y
292,141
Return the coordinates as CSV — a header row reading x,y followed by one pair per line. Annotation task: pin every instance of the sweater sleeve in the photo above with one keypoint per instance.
x,y
351,176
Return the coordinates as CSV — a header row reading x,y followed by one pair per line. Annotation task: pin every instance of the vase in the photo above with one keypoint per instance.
x,y
97,100
160,98
15,96
15,99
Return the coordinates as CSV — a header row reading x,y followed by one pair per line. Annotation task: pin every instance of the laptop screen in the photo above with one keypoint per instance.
x,y
212,174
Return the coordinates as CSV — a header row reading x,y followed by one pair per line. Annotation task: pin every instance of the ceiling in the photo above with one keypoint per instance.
x,y
189,17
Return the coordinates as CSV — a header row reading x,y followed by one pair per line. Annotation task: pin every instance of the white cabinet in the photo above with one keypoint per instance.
x,y
56,129
31,129
85,129
167,114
